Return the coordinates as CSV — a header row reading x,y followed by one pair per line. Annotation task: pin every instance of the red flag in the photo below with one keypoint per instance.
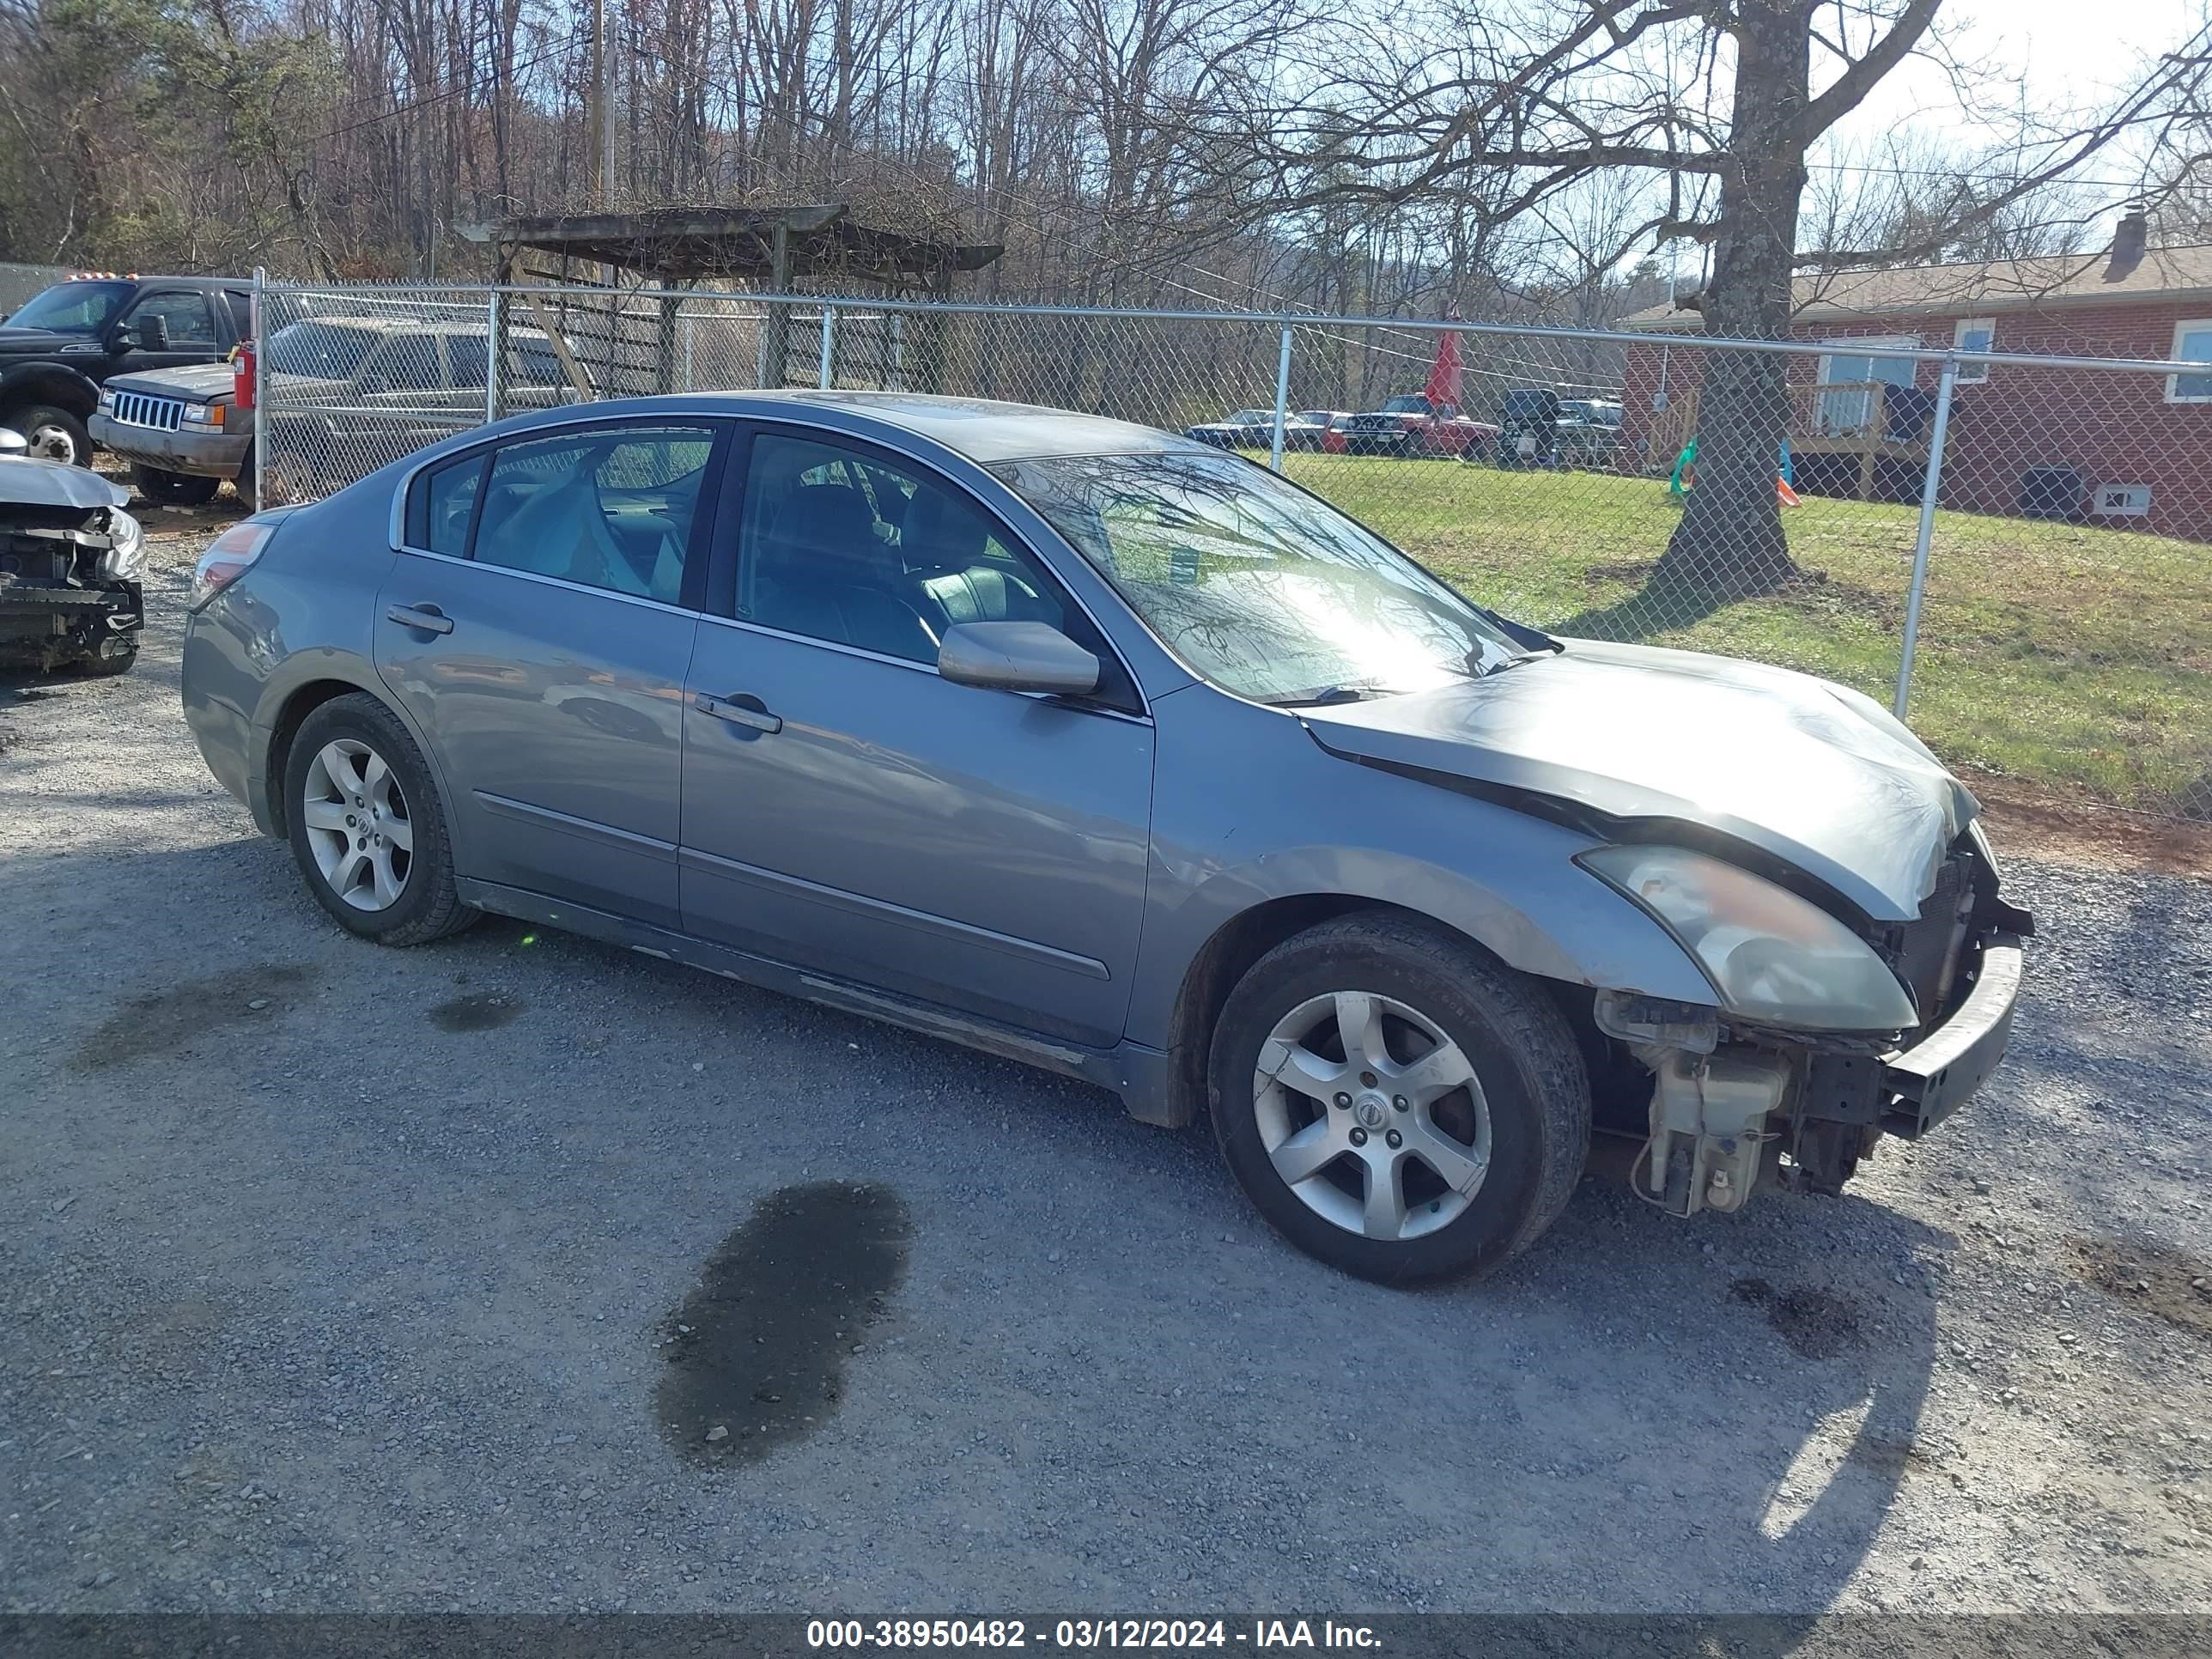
x,y
1444,374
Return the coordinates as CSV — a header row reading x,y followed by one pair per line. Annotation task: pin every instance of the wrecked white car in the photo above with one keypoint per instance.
x,y
72,560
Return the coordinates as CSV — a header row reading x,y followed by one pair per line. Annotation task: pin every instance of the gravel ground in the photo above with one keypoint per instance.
x,y
334,1277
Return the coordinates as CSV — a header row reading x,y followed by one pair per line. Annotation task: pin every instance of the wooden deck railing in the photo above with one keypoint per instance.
x,y
1858,420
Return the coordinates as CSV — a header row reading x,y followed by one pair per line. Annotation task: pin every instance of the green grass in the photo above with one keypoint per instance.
x,y
2077,660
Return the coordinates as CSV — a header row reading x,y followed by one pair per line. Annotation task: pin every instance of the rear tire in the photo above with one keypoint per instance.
x,y
367,827
1470,1171
174,488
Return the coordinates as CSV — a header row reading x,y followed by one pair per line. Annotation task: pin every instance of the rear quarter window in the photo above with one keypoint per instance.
x,y
441,504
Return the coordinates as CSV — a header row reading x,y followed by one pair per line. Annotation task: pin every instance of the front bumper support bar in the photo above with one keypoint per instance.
x,y
1935,1077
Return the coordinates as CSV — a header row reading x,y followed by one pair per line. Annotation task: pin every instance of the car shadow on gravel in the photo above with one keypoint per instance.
x,y
1756,1384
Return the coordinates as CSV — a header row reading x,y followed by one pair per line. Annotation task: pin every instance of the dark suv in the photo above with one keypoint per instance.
x,y
57,351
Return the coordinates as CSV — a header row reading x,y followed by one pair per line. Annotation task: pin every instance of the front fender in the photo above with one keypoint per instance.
x,y
51,382
1234,779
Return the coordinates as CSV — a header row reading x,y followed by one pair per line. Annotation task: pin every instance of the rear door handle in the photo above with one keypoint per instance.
x,y
742,710
428,617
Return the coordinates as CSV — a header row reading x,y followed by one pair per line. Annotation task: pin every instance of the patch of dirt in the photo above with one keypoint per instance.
x,y
475,1012
170,1022
1638,570
1816,590
2020,818
1892,1459
1815,1324
2171,1284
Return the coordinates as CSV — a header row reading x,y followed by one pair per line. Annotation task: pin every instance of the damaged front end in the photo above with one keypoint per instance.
x,y
1739,1106
72,566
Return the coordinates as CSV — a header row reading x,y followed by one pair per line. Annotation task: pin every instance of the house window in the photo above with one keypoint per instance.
x,y
1845,404
2192,343
1974,334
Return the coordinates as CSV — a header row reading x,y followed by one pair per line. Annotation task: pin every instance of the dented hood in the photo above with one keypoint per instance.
x,y
28,483
1811,772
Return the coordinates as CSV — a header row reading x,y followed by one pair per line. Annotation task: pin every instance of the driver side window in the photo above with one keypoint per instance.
x,y
842,545
185,314
409,363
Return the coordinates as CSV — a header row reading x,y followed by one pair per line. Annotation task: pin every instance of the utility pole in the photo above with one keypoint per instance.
x,y
602,125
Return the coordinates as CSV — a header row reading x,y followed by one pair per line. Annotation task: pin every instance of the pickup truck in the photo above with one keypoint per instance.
x,y
1411,426
66,343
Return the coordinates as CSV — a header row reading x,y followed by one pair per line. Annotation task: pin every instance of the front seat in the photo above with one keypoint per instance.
x,y
941,545
824,572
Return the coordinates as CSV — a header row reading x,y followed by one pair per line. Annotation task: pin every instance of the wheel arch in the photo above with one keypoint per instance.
x,y
53,383
291,714
1229,954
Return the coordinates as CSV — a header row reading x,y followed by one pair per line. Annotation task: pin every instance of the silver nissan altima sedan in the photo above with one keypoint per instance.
x,y
1076,742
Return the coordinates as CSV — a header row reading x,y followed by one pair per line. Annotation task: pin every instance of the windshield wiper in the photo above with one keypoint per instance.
x,y
1520,657
1326,694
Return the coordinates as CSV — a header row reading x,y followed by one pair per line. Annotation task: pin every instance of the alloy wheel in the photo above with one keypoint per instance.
x,y
357,824
1372,1116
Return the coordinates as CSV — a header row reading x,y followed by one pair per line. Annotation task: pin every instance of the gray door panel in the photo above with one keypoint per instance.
x,y
557,714
975,848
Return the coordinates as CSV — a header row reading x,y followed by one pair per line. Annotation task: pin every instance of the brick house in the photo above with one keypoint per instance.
x,y
2126,451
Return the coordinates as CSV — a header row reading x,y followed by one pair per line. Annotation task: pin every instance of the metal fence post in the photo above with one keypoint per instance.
x,y
1929,488
492,356
689,320
260,309
1282,399
828,342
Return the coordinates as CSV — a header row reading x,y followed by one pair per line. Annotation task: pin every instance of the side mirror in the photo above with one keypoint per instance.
x,y
1015,656
13,442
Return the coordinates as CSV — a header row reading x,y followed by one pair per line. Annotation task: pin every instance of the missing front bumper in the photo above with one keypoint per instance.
x,y
1932,1078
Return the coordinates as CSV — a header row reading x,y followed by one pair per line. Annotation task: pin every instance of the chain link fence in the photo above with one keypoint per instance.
x,y
2016,551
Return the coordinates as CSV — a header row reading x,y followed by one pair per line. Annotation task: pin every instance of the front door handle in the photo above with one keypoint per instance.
x,y
428,617
741,710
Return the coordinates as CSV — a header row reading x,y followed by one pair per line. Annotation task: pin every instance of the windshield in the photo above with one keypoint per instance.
x,y
1256,585
1407,406
73,308
321,349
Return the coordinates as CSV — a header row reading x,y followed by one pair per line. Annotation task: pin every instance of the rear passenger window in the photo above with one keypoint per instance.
x,y
607,508
442,503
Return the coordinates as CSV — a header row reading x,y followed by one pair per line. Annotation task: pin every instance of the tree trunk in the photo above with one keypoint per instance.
x,y
1730,544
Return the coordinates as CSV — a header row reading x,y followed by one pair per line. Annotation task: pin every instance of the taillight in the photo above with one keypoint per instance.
x,y
241,377
229,556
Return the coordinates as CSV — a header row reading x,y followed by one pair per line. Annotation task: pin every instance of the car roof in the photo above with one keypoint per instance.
x,y
401,325
980,428
143,278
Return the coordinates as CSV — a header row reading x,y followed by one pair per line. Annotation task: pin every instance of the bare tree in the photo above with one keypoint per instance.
x,y
1718,102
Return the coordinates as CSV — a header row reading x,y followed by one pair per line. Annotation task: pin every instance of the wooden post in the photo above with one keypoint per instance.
x,y
778,324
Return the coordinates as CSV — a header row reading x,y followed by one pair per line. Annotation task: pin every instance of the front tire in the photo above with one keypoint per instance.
x,y
367,827
1396,1102
174,488
104,668
53,434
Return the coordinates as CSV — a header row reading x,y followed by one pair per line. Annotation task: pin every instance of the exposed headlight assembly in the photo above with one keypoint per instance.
x,y
125,558
1772,956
